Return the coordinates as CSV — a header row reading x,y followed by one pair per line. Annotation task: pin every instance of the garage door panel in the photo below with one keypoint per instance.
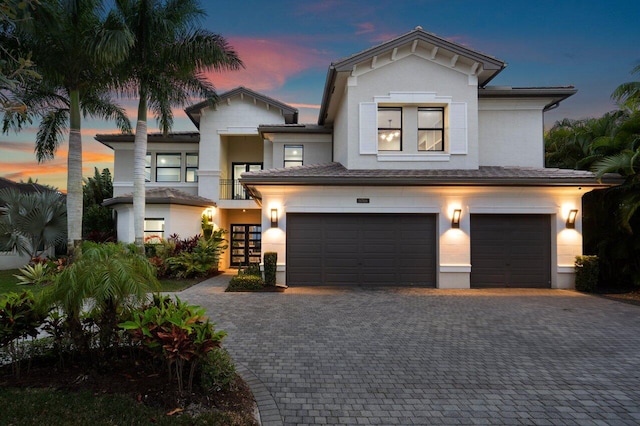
x,y
367,249
510,250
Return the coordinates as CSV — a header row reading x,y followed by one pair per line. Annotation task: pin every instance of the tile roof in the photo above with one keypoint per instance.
x,y
163,195
337,174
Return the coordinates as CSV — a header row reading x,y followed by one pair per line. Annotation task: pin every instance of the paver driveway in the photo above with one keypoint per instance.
x,y
421,356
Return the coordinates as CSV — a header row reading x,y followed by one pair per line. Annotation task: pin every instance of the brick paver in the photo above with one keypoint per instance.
x,y
422,356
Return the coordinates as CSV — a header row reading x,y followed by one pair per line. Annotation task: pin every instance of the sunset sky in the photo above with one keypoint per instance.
x,y
287,47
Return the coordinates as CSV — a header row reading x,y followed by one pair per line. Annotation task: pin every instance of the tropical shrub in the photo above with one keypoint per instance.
x,y
175,332
217,371
40,273
114,276
207,227
587,271
191,257
270,265
20,317
32,222
245,283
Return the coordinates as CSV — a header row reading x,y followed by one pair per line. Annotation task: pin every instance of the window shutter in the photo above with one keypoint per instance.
x,y
368,128
458,128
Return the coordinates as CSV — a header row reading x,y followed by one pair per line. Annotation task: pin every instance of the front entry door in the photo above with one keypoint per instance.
x,y
246,244
239,192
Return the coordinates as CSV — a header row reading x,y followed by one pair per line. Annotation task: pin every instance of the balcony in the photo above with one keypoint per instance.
x,y
231,189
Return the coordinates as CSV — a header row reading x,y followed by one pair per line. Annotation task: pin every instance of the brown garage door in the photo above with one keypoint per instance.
x,y
510,251
361,249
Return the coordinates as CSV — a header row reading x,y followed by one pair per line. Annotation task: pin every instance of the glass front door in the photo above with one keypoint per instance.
x,y
246,244
239,192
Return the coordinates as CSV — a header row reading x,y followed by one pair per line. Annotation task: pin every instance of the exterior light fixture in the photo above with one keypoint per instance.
x,y
274,218
455,220
571,219
209,213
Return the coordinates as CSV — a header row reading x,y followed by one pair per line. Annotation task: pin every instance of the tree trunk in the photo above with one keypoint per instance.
x,y
74,176
140,153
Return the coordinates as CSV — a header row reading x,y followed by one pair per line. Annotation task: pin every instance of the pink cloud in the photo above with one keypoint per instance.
x,y
309,106
22,147
268,63
365,28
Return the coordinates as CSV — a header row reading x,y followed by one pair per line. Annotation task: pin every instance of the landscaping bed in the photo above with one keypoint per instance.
x,y
133,378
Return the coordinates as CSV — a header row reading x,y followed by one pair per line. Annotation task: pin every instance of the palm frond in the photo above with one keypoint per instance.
x,y
51,134
102,106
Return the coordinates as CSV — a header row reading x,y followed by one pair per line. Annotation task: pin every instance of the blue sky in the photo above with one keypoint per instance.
x,y
287,47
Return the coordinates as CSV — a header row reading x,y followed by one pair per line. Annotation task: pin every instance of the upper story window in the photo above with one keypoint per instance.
x,y
431,129
168,167
171,167
147,168
191,169
293,155
390,129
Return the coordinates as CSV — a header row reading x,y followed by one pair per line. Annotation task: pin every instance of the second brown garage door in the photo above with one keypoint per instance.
x,y
361,249
510,250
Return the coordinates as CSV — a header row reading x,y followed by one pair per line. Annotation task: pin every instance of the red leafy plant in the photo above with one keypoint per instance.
x,y
177,333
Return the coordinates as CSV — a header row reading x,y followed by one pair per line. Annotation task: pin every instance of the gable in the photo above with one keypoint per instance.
x,y
246,101
479,67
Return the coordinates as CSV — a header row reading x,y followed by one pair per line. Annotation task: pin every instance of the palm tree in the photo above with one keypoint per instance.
x,y
625,160
628,94
165,69
75,46
577,144
32,222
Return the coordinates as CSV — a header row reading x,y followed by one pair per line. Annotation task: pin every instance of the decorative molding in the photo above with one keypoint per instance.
x,y
239,130
413,157
413,98
512,210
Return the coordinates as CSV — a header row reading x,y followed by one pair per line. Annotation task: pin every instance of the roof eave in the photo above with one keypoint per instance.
x,y
332,181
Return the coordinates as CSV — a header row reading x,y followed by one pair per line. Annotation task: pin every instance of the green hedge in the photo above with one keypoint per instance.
x,y
270,264
245,283
587,271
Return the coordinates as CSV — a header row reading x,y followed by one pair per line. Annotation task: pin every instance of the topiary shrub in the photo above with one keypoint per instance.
x,y
587,271
270,265
245,283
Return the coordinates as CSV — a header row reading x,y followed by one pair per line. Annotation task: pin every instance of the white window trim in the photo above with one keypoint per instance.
x,y
455,112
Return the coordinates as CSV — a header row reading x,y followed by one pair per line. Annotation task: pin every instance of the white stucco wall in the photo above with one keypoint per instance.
x,y
182,220
453,252
240,116
123,166
12,260
511,132
316,148
409,82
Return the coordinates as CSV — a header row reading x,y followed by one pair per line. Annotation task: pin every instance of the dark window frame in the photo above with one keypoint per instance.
x,y
179,167
383,128
284,157
188,168
153,232
433,129
147,169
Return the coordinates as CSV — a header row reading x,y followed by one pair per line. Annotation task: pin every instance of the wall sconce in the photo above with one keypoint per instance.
x,y
455,219
571,218
274,218
209,213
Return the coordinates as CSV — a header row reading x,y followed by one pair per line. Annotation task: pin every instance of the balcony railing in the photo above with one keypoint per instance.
x,y
232,190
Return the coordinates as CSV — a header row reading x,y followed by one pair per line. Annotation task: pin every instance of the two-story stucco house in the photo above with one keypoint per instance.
x,y
418,172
